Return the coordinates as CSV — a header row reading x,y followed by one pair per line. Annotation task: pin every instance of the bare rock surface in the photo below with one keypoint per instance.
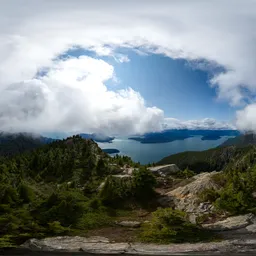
x,y
129,224
101,245
164,170
186,198
234,223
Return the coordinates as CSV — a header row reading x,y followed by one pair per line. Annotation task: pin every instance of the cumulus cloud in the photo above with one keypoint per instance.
x,y
72,97
204,124
246,118
34,33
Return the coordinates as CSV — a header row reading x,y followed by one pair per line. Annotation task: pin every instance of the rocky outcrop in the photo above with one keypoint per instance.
x,y
186,198
164,170
101,245
247,221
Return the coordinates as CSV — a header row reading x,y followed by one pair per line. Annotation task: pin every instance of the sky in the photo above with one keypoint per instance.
x,y
127,67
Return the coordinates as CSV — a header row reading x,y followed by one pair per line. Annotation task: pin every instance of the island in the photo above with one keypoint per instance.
x,y
211,137
182,134
111,150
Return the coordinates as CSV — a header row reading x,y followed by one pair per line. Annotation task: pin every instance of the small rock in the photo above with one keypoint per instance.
x,y
192,218
129,224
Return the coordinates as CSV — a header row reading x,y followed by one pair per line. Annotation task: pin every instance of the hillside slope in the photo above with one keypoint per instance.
x,y
12,144
54,190
243,140
212,159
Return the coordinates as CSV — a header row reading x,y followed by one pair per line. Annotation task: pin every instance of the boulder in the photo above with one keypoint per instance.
x,y
164,170
165,201
233,223
129,224
186,198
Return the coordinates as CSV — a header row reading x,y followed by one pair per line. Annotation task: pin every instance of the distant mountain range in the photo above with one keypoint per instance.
x,y
172,135
12,144
16,143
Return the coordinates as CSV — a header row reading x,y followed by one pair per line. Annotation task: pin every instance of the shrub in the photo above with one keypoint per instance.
x,y
144,183
65,206
186,174
168,226
8,195
219,179
91,220
234,201
116,190
209,195
55,228
26,193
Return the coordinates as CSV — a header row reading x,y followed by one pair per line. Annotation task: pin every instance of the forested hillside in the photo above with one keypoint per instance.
x,y
212,159
54,190
12,144
242,140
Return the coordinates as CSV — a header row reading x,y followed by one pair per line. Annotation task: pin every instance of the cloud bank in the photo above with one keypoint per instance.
x,y
204,124
72,97
34,33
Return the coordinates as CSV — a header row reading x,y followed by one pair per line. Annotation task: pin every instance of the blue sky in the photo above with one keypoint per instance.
x,y
173,85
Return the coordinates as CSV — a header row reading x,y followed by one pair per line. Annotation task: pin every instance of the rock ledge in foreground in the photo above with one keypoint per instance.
x,y
101,245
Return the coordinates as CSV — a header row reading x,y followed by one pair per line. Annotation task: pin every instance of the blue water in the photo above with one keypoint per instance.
x,y
146,153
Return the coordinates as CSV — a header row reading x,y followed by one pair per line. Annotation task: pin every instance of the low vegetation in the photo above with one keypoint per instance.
x,y
168,225
235,195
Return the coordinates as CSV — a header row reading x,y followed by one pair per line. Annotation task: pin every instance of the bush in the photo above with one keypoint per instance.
x,y
116,191
144,183
138,188
170,226
55,228
234,201
186,174
219,179
91,220
26,193
8,195
209,195
64,206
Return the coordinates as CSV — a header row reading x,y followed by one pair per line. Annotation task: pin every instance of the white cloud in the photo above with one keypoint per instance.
x,y
204,124
72,97
33,33
246,118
